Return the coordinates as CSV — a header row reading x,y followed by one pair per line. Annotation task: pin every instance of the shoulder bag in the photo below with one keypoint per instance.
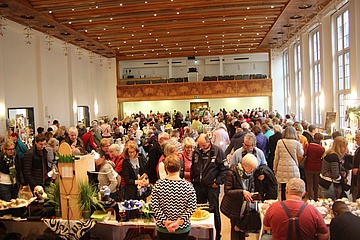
x,y
288,151
249,218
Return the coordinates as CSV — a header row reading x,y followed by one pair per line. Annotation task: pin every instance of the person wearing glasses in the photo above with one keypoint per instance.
x,y
10,169
249,146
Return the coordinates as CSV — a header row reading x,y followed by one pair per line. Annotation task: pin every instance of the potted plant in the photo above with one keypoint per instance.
x,y
89,199
53,194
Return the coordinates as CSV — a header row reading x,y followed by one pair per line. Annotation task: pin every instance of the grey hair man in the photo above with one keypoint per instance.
x,y
248,147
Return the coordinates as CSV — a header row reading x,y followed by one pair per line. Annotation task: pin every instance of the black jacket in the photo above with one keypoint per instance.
x,y
234,198
129,176
33,167
154,155
272,146
212,171
268,188
236,142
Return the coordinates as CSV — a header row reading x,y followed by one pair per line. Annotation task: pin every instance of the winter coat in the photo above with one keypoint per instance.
x,y
234,198
33,167
108,177
268,188
285,163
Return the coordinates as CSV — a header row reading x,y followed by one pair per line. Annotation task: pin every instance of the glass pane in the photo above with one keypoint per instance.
x,y
347,70
346,29
340,73
339,33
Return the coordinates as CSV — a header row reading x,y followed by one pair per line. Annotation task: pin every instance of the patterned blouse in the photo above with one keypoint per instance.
x,y
173,199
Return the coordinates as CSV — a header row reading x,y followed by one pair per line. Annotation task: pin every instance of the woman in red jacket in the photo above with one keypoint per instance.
x,y
313,166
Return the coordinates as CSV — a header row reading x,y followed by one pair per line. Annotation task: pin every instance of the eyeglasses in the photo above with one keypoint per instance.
x,y
10,149
248,145
189,147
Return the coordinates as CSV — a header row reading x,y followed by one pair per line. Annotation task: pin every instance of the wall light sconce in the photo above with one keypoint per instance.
x,y
289,101
96,108
302,101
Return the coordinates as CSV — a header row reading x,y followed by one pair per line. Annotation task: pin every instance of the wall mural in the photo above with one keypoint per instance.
x,y
184,90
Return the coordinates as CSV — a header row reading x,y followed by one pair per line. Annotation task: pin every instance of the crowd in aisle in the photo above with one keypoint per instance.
x,y
247,151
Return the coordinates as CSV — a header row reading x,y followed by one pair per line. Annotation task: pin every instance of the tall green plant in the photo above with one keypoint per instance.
x,y
53,194
89,197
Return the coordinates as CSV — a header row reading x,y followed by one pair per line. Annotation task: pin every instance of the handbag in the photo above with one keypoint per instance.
x,y
250,219
303,162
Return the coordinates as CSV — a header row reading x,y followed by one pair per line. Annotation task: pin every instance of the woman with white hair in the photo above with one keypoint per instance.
x,y
52,147
220,136
239,187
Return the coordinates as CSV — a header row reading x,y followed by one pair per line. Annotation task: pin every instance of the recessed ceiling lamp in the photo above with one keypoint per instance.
x,y
100,49
90,45
48,26
79,39
29,17
280,32
305,6
295,17
4,5
288,25
65,34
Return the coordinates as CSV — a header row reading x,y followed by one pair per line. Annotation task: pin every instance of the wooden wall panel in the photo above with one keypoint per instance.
x,y
178,91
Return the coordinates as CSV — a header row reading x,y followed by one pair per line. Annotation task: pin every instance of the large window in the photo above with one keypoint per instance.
x,y
286,80
316,87
298,82
342,61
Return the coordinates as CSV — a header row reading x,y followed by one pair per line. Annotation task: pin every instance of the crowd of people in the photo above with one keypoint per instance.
x,y
193,155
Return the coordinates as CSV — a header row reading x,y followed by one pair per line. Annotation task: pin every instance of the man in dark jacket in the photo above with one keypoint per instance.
x,y
268,186
154,155
35,164
208,171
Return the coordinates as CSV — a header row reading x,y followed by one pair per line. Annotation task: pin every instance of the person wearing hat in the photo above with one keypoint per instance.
x,y
20,147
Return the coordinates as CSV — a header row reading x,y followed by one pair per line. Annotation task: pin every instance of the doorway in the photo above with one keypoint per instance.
x,y
21,120
197,105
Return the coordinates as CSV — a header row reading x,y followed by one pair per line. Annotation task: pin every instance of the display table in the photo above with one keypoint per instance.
x,y
110,230
117,230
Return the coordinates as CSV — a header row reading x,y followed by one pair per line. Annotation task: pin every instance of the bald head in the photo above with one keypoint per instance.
x,y
204,142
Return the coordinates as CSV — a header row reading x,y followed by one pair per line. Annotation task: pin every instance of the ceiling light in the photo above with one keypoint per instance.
x,y
305,6
295,17
90,20
132,35
29,17
177,13
180,48
124,42
69,22
149,33
168,32
154,14
244,19
156,39
140,40
272,6
104,29
86,30
50,11
111,18
73,9
120,4
203,21
248,8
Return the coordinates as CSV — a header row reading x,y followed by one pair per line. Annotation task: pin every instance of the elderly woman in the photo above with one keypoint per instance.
x,y
10,170
173,201
107,175
134,172
104,146
331,171
188,145
286,165
239,186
